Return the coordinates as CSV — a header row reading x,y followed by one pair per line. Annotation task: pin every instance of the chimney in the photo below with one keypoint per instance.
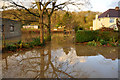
x,y
117,8
96,16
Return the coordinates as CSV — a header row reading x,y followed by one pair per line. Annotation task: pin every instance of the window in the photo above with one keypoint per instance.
x,y
11,28
111,20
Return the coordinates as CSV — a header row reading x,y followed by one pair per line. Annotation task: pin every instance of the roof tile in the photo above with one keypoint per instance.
x,y
110,13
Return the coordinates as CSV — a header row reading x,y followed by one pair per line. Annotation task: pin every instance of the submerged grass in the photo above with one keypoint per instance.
x,y
23,45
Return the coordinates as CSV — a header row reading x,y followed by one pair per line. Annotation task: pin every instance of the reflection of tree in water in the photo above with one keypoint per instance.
x,y
61,40
43,66
47,63
67,50
107,52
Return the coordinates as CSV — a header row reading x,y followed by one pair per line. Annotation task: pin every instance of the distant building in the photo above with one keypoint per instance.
x,y
10,28
107,19
31,27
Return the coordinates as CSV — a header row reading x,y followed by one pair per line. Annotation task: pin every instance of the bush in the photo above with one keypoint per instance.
x,y
106,35
47,38
103,42
92,43
36,42
85,36
21,45
106,29
11,47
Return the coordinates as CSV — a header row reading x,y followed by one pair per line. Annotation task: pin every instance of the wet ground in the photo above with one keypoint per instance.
x,y
61,58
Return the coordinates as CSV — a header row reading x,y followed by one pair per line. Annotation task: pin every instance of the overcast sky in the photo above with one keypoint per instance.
x,y
103,5
98,5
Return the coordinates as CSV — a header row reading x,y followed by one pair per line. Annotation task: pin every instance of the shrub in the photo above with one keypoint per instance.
x,y
103,42
106,29
92,43
11,47
20,44
85,36
36,42
47,38
104,35
107,35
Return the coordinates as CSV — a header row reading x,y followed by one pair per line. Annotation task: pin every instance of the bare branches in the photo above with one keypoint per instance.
x,y
25,8
57,70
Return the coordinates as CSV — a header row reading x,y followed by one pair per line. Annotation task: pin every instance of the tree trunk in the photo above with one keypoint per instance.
x,y
40,22
41,29
49,28
3,37
42,64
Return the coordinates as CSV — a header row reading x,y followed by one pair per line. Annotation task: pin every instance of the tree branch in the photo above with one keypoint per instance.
x,y
25,9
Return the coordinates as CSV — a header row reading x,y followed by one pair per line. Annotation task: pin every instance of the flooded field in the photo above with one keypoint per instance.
x,y
61,58
26,37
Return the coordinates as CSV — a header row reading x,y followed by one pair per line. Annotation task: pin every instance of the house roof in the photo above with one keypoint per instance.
x,y
110,13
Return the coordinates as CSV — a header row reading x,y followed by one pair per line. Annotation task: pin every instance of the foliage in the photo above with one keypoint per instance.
x,y
48,38
92,43
103,42
36,42
75,19
106,29
67,18
11,47
20,45
85,36
98,38
107,35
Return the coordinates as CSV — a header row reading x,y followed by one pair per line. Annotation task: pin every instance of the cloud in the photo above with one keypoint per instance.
x,y
98,5
114,3
103,5
1,4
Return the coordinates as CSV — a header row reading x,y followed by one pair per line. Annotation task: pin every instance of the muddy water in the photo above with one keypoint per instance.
x,y
61,58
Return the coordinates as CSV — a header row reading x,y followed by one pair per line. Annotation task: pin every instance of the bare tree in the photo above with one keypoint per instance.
x,y
47,7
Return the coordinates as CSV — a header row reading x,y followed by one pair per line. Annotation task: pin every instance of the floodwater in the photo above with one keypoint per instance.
x,y
61,58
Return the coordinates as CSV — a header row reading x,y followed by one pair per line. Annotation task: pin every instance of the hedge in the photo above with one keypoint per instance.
x,y
86,36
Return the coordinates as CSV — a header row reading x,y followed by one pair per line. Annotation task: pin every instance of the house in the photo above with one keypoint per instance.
x,y
107,19
31,27
10,28
59,28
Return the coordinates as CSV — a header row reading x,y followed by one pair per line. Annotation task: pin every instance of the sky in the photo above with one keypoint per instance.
x,y
103,5
97,5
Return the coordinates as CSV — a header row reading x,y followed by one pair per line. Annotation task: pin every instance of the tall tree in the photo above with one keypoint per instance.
x,y
47,7
67,20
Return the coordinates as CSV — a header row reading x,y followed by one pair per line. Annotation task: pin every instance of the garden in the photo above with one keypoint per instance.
x,y
103,37
20,45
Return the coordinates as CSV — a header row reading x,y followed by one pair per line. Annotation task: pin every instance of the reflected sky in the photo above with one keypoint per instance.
x,y
61,58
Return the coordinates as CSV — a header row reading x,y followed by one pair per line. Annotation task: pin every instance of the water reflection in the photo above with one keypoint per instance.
x,y
62,59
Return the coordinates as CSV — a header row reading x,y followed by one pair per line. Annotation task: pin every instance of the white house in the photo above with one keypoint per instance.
x,y
107,19
31,26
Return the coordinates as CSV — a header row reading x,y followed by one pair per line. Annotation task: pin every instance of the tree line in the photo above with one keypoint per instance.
x,y
44,10
82,19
